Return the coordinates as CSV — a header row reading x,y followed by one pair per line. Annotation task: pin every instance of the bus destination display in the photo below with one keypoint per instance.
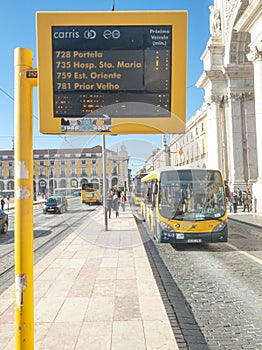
x,y
105,72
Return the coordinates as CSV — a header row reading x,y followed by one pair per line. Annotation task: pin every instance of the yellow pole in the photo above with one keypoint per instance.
x,y
24,240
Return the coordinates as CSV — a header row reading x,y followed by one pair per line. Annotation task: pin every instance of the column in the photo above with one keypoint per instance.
x,y
255,56
213,140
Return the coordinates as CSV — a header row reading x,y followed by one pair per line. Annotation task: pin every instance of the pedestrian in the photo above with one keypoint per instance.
x,y
234,201
109,203
2,203
246,200
122,201
249,200
116,204
227,191
239,196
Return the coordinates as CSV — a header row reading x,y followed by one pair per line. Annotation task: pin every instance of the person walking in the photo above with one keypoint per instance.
x,y
246,201
109,203
249,200
116,204
2,203
122,201
234,201
239,196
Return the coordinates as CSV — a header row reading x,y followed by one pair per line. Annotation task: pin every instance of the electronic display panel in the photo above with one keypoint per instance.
x,y
112,78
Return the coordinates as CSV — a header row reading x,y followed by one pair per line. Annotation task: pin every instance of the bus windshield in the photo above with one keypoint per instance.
x,y
91,186
191,195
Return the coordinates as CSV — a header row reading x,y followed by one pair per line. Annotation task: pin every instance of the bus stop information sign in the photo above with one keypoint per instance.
x,y
112,72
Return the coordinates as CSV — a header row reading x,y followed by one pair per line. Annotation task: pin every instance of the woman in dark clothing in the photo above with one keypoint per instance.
x,y
116,204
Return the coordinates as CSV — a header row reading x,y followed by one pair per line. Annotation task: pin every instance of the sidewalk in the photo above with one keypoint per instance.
x,y
253,219
95,290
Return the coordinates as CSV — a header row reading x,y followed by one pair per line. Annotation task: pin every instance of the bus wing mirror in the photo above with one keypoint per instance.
x,y
155,189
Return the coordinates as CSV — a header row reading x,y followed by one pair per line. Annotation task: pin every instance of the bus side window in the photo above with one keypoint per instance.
x,y
149,193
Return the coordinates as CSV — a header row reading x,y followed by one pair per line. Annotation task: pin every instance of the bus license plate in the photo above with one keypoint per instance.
x,y
180,236
194,240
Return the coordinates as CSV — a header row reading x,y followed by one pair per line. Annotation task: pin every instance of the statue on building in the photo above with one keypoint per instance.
x,y
164,143
214,21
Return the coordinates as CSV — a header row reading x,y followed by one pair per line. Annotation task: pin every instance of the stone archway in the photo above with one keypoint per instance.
x,y
114,182
229,95
239,107
83,181
62,183
42,185
10,185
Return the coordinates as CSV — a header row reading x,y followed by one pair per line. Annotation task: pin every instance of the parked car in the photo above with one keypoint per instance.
x,y
77,193
3,222
55,204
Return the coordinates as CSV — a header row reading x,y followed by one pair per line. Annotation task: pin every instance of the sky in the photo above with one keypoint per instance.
x,y
18,29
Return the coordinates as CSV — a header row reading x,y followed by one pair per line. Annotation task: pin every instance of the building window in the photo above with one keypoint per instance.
x,y
93,167
114,172
62,168
202,127
42,171
10,170
203,146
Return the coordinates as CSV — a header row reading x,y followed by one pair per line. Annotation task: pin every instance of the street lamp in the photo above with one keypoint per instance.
x,y
51,171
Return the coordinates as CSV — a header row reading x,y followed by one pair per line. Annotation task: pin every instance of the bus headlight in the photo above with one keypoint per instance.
x,y
166,227
220,226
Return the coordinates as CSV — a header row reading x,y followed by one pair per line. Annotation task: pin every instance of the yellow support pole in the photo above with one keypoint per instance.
x,y
25,79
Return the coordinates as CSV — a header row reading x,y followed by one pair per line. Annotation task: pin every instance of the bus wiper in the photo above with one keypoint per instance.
x,y
211,218
178,216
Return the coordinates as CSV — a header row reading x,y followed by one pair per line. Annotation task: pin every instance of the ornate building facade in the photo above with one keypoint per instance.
x,y
191,147
56,169
232,110
233,90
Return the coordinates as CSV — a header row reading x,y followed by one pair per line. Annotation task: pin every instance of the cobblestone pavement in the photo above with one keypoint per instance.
x,y
221,285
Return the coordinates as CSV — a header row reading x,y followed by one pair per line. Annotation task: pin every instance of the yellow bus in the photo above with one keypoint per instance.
x,y
91,193
182,205
137,187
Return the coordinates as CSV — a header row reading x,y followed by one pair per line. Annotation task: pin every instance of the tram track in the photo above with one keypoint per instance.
x,y
7,259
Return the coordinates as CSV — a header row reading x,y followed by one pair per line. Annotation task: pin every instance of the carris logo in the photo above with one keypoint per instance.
x,y
66,35
114,34
89,34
